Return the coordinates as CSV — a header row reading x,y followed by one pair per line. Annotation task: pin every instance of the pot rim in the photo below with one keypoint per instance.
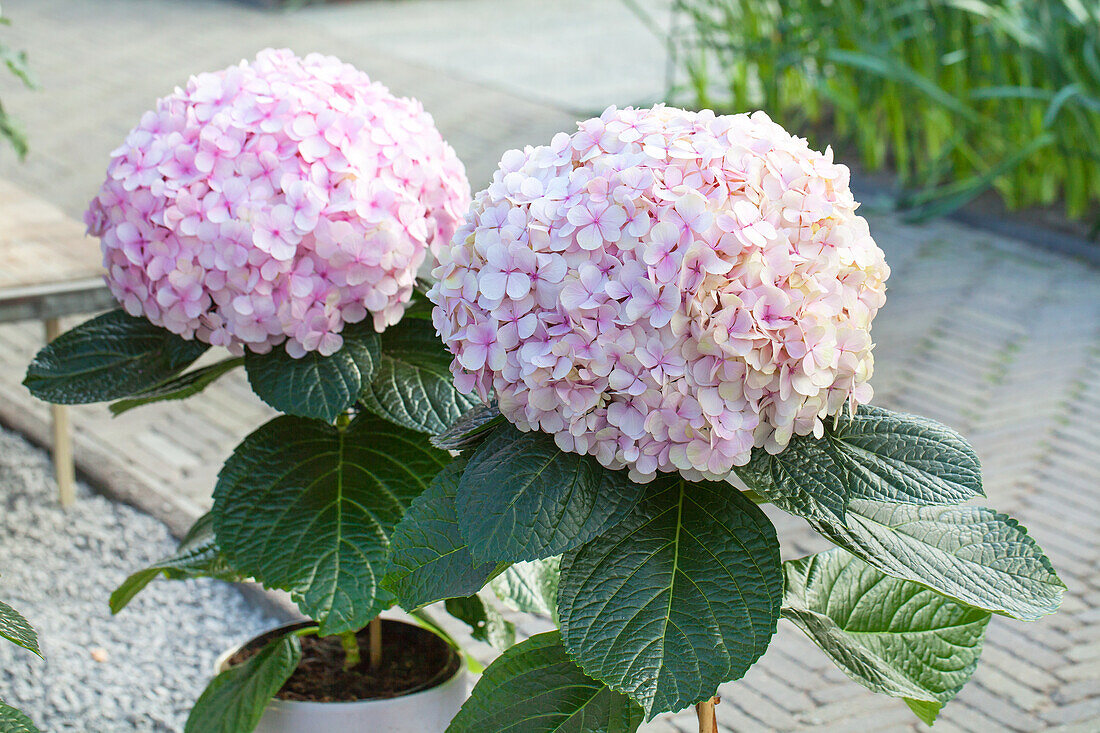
x,y
220,665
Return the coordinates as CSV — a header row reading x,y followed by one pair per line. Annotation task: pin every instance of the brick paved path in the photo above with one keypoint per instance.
x,y
995,338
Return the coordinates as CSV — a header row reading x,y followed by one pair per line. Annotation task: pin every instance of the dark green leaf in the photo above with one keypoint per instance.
x,y
889,635
413,386
874,454
419,307
470,429
112,356
314,385
678,598
531,587
804,479
429,559
486,623
972,554
523,498
310,508
178,388
535,688
197,556
234,701
15,629
15,721
862,486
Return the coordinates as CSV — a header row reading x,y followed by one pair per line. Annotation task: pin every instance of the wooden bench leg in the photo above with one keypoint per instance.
x,y
63,466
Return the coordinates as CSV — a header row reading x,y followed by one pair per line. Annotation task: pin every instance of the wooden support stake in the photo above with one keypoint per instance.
x,y
374,643
708,722
63,467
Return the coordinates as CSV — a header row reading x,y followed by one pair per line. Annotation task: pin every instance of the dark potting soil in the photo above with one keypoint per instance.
x,y
413,659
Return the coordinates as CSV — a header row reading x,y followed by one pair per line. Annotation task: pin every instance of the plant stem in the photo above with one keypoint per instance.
x,y
351,650
754,497
374,635
708,723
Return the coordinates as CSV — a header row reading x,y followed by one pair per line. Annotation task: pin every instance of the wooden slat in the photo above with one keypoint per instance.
x,y
48,266
39,244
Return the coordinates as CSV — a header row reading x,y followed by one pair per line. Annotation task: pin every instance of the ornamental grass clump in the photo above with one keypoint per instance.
x,y
666,316
954,97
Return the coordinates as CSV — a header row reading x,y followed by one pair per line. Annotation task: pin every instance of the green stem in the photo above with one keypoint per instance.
x,y
350,643
374,637
754,497
307,631
425,620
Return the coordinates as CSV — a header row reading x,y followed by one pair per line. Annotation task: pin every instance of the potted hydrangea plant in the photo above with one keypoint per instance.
x,y
279,210
667,318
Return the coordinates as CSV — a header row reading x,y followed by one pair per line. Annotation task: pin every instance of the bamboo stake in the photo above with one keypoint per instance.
x,y
708,722
62,429
374,636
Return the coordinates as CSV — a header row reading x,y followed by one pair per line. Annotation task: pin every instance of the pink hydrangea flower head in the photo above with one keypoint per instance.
x,y
665,290
276,201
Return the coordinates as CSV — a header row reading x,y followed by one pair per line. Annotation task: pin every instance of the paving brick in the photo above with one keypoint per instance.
x,y
1075,691
757,706
833,693
970,719
891,718
1086,671
1084,652
778,691
733,717
1002,710
861,705
1015,689
1078,712
660,725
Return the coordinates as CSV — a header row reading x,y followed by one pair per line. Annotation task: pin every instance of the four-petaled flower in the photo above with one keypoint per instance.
x,y
597,221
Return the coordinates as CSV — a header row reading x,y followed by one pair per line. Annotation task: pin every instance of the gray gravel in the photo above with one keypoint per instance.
x,y
138,671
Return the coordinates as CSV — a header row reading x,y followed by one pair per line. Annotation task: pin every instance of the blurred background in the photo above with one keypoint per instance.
x,y
973,131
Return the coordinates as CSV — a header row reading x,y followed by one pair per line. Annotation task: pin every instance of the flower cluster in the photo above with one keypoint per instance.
x,y
276,201
664,290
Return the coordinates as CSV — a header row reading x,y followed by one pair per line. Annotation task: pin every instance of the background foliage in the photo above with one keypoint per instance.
x,y
16,61
956,96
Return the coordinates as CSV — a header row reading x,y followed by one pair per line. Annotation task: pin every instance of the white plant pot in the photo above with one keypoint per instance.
x,y
427,710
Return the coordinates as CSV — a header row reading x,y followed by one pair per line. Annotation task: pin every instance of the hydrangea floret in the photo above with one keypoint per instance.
x,y
665,290
276,201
